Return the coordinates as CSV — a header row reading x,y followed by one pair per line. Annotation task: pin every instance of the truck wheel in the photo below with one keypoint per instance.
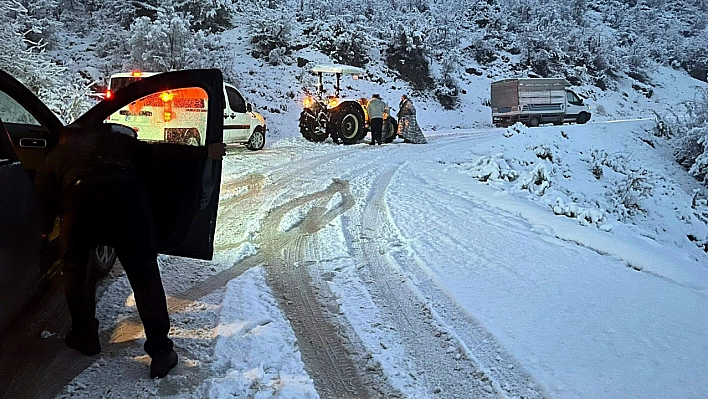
x,y
534,121
349,124
583,117
257,140
389,134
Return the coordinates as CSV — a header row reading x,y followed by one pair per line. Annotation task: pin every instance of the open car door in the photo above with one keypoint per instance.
x,y
185,193
27,129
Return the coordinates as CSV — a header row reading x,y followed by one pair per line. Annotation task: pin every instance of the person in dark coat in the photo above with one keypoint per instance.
x,y
96,182
408,127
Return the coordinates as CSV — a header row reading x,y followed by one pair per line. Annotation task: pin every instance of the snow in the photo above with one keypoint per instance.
x,y
248,330
567,244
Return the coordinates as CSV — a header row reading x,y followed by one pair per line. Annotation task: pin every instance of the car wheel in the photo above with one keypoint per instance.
x,y
583,118
102,259
534,121
389,134
350,125
257,140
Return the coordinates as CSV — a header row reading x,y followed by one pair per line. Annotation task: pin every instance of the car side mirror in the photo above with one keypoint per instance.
x,y
249,107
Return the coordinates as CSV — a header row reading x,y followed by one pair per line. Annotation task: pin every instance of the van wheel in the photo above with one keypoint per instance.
x,y
534,121
583,118
257,140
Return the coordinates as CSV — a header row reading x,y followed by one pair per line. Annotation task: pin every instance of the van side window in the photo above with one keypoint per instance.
x,y
237,103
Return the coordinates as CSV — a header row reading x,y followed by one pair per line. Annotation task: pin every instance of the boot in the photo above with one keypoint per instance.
x,y
162,364
84,339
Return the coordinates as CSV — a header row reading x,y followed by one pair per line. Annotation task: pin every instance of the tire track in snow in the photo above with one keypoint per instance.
x,y
327,357
438,357
505,372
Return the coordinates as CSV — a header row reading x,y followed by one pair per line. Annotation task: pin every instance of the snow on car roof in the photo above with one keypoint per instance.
x,y
334,68
133,74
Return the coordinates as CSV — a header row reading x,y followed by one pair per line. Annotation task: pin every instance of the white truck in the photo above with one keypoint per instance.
x,y
533,101
175,116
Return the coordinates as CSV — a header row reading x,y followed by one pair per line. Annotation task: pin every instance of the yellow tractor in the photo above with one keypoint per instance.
x,y
329,115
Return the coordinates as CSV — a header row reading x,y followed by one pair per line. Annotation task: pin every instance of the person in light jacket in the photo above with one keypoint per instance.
x,y
408,127
376,108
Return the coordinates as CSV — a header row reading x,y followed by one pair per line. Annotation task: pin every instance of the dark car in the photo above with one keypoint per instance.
x,y
184,194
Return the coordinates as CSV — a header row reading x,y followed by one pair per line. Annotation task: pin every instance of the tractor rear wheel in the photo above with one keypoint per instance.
x,y
349,123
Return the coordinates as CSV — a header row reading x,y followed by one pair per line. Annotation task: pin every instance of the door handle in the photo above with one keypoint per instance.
x,y
33,143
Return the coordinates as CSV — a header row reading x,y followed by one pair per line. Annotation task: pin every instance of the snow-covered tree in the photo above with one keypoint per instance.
x,y
27,61
168,43
41,21
271,34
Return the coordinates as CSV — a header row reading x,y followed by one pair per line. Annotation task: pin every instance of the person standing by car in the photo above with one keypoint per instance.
x,y
376,108
96,181
408,127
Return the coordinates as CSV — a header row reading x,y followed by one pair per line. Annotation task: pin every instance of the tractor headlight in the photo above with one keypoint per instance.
x,y
308,102
333,102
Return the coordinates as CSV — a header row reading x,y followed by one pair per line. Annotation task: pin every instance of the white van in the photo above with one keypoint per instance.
x,y
174,116
533,101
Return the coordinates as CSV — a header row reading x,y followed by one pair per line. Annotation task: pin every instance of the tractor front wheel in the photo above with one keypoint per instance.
x,y
349,123
310,128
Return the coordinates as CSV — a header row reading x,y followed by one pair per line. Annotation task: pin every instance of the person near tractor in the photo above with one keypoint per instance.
x,y
408,128
96,181
376,109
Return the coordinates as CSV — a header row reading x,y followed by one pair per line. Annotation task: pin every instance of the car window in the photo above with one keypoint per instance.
x,y
236,101
174,116
7,152
12,112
